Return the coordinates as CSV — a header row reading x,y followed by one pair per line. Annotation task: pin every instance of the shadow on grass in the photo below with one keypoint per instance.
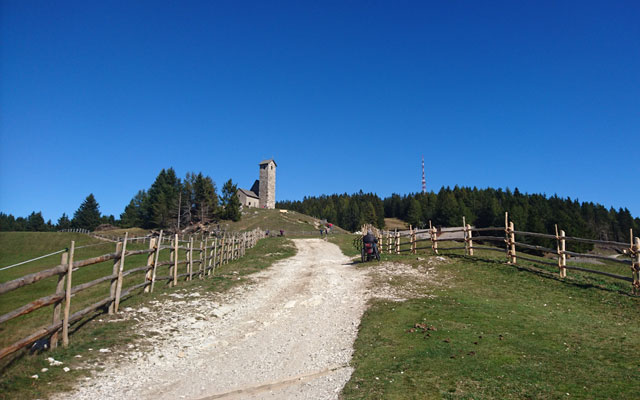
x,y
544,273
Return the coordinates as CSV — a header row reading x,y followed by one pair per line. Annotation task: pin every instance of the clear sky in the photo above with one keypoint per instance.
x,y
98,96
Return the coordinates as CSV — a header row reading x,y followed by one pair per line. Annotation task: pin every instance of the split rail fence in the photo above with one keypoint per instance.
x,y
395,242
200,259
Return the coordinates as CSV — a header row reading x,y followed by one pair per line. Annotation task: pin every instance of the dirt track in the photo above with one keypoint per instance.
x,y
289,335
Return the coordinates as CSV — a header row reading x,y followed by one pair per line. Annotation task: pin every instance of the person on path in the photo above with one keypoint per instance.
x,y
369,238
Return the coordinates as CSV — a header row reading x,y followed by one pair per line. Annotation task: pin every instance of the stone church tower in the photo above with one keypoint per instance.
x,y
267,186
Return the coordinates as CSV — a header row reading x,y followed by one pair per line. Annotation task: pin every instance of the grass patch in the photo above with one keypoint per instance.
x,y
32,244
345,242
497,331
395,223
119,233
95,331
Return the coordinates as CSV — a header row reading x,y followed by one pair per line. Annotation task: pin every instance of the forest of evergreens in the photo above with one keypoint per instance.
x,y
480,207
169,202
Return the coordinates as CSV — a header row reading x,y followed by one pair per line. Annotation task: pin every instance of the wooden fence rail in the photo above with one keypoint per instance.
x,y
212,252
406,242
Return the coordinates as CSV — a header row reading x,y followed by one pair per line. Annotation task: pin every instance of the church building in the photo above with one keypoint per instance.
x,y
263,192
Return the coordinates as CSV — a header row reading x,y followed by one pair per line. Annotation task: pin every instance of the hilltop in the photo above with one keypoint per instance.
x,y
291,222
276,219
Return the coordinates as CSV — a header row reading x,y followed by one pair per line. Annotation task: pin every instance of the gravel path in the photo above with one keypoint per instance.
x,y
288,335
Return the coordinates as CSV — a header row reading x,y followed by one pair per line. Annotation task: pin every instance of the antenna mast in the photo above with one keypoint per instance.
x,y
424,182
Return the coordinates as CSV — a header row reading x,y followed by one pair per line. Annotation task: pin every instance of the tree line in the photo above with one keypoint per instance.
x,y
170,203
346,211
480,207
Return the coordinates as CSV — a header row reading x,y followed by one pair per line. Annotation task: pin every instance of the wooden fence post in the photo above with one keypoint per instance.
x,y
232,244
415,244
223,250
563,256
435,239
506,237
410,239
190,257
431,236
512,243
114,280
561,248
636,266
470,239
155,261
397,241
149,272
464,234
215,253
172,257
236,247
67,297
175,261
120,269
244,243
203,258
388,242
57,307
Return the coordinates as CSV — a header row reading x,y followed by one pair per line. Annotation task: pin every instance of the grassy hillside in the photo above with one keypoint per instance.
x,y
274,220
133,232
16,247
395,223
105,331
480,329
20,246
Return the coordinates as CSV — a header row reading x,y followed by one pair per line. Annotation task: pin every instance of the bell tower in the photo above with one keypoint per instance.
x,y
267,191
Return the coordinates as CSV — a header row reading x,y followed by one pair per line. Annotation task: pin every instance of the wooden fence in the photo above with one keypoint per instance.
x,y
395,242
211,252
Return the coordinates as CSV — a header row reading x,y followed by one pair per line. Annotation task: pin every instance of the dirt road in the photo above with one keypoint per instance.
x,y
288,335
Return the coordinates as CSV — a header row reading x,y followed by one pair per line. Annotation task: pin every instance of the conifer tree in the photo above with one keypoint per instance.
x,y
35,222
87,216
64,222
162,200
205,198
414,215
230,201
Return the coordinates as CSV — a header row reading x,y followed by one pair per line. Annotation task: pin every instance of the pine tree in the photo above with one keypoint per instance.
x,y
414,215
134,214
205,198
7,222
35,222
353,217
88,214
369,214
230,201
64,222
163,200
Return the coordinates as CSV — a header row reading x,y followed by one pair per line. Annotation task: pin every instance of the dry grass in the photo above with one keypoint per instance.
x,y
393,223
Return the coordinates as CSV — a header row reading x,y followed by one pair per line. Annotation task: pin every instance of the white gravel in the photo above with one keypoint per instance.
x,y
288,335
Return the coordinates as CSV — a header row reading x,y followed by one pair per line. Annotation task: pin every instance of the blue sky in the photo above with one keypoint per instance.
x,y
97,97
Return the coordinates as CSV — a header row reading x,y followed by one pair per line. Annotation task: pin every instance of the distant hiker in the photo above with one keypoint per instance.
x,y
281,232
267,233
321,232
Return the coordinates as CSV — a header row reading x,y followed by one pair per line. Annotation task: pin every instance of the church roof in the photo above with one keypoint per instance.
x,y
248,193
268,161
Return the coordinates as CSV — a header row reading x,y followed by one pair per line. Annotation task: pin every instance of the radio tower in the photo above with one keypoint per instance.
x,y
424,182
